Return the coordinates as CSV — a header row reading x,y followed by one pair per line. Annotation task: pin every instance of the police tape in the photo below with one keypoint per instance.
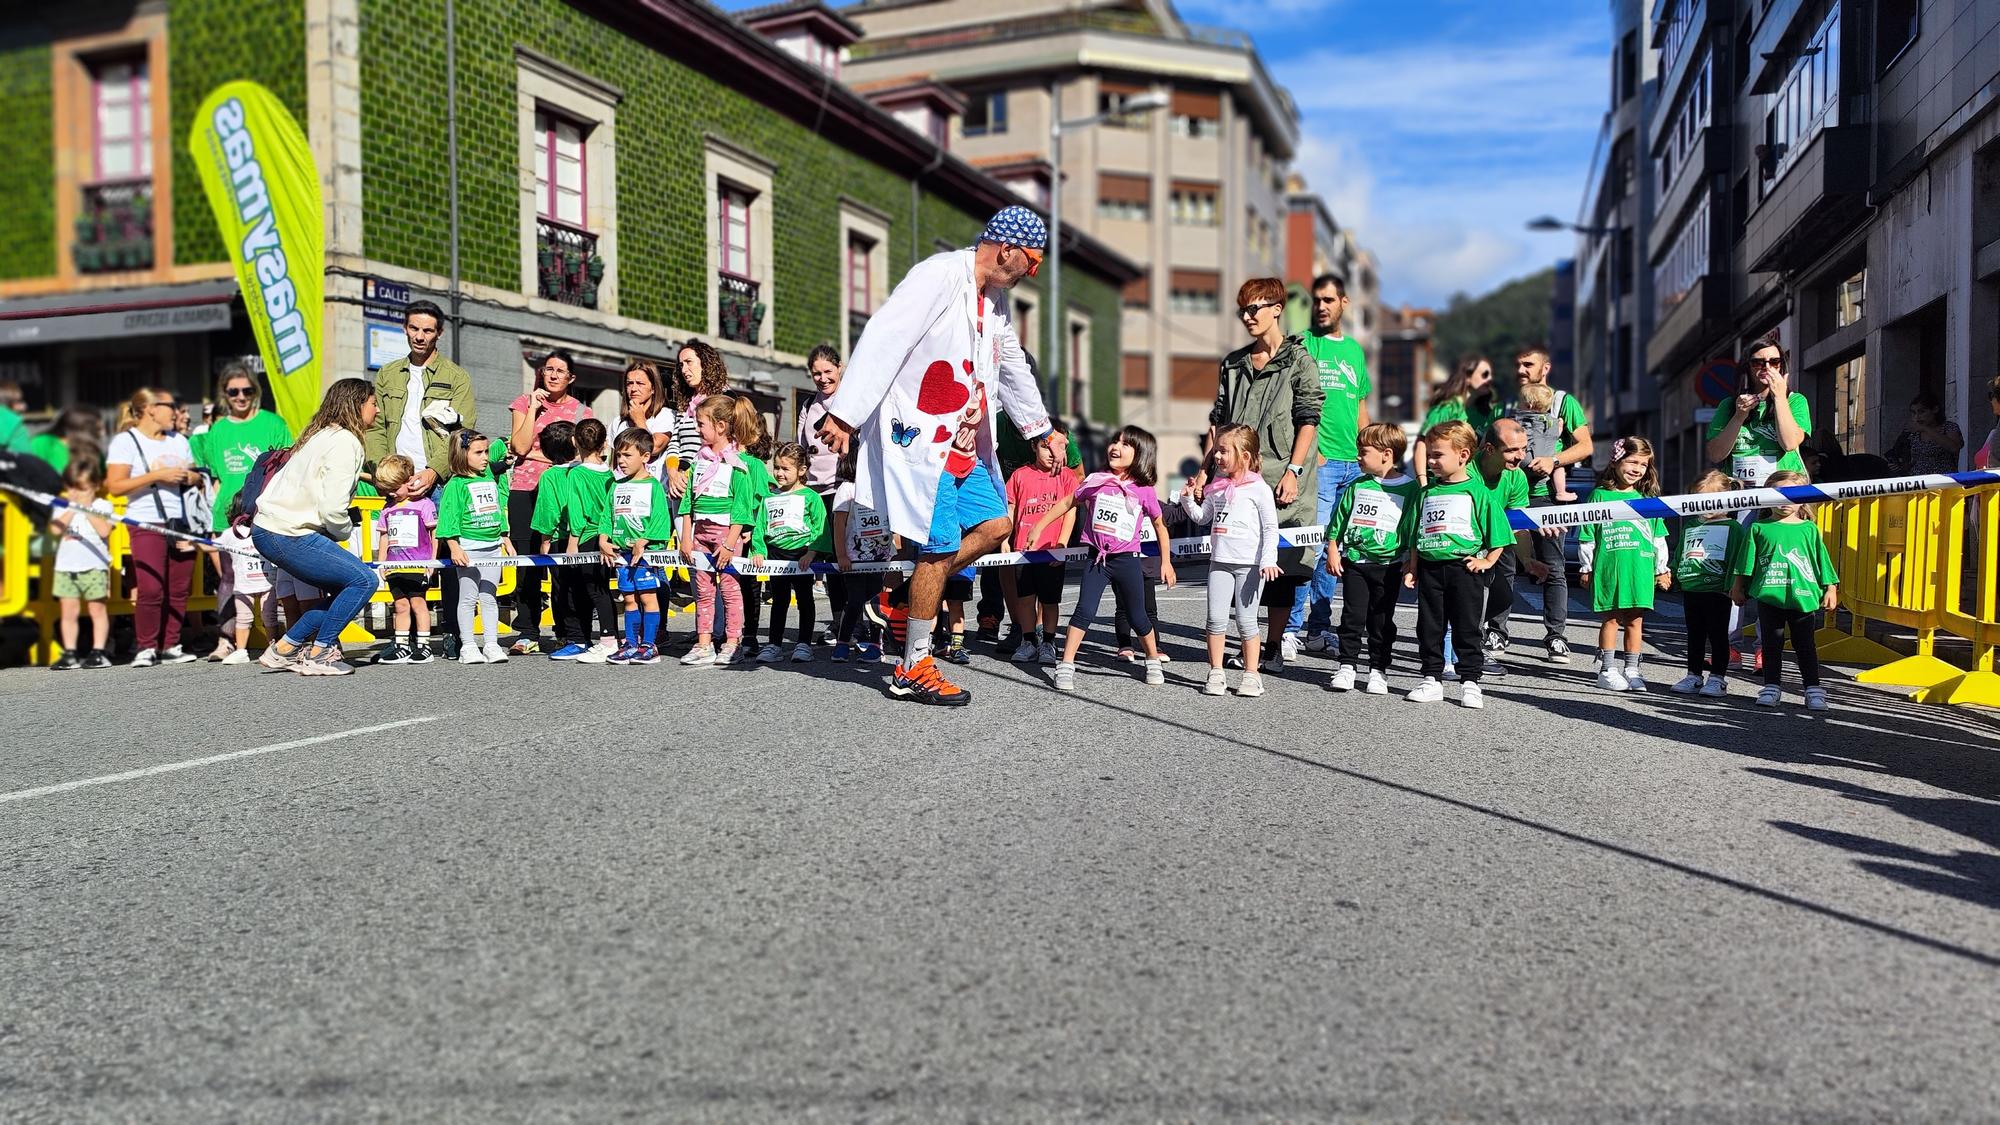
x,y
1716,503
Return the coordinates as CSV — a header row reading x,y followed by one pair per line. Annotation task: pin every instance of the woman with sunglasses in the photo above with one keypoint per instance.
x,y
226,450
152,466
1751,438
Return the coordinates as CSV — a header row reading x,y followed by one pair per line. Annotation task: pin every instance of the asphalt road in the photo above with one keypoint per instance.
x,y
566,893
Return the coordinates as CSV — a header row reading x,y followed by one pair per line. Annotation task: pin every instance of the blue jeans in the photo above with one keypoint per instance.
x,y
1334,477
326,564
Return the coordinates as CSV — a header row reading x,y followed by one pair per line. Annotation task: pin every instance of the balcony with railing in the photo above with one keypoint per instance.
x,y
114,229
739,315
568,267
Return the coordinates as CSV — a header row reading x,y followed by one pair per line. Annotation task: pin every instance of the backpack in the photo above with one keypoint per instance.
x,y
1544,428
266,467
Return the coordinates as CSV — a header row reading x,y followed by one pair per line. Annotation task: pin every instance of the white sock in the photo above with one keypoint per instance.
x,y
917,644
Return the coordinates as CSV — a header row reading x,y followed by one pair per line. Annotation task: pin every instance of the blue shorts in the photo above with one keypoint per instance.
x,y
638,579
961,506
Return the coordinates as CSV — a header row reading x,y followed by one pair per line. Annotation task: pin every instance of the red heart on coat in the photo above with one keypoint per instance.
x,y
941,392
941,435
968,366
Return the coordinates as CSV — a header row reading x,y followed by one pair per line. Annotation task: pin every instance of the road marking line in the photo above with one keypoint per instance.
x,y
171,767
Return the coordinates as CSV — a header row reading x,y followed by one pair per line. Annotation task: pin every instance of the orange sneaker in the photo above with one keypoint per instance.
x,y
925,684
886,613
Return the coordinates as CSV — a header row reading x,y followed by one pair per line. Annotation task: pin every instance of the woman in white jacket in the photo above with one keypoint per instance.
x,y
302,527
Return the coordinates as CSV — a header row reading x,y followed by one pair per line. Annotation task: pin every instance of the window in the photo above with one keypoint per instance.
x,y
1807,102
1111,102
860,275
1194,302
1896,25
1132,210
1675,33
1200,128
1138,293
1135,374
864,238
1121,196
559,168
1077,367
1690,118
734,205
1193,205
1850,300
985,113
1685,264
1628,67
124,120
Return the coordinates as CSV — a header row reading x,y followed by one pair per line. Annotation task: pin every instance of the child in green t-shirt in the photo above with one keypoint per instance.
x,y
1455,532
586,588
548,534
753,445
1701,570
1622,562
1781,564
637,517
1364,549
794,531
472,523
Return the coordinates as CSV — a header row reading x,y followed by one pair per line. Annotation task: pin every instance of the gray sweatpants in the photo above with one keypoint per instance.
x,y
476,584
1233,587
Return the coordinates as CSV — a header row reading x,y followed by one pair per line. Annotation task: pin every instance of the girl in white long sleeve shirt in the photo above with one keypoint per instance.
x,y
1242,515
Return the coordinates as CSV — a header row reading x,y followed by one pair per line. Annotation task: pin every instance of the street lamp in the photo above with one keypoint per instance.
x,y
1551,223
1144,103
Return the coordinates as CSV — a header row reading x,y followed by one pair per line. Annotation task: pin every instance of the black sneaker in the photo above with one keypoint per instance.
x,y
1494,670
95,658
1005,646
989,628
955,653
394,654
420,653
67,662
451,646
1496,642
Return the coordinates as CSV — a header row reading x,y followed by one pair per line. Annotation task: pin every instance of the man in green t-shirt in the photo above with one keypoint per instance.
x,y
1502,451
1573,445
1343,375
1749,437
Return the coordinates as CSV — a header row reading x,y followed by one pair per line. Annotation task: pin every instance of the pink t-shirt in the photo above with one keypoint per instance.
x,y
1031,493
406,527
1111,511
570,409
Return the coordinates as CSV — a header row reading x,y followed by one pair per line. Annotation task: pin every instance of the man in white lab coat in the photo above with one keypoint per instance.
x,y
916,396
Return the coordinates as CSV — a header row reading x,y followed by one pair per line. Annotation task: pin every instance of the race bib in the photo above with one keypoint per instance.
x,y
632,501
1706,543
252,567
482,498
1114,518
1449,515
403,530
1752,469
1220,528
788,514
713,480
869,532
1375,511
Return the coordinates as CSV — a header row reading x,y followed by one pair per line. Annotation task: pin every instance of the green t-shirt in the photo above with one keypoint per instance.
x,y
1757,453
1511,488
796,521
13,431
1570,418
1367,523
1623,556
547,516
1343,375
473,509
1785,565
1456,521
51,450
230,448
637,509
725,493
586,497
1458,410
1707,547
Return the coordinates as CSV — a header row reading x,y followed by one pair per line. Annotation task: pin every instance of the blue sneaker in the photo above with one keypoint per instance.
x,y
841,652
569,652
870,653
645,654
624,655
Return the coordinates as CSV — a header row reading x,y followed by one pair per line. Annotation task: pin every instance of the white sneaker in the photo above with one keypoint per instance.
x,y
1378,684
145,658
596,654
1065,677
1451,673
1816,699
728,654
1251,686
1635,680
1217,683
1047,652
1771,696
495,654
1430,691
802,653
177,655
700,656
770,654
1027,652
1471,696
1155,675
238,656
471,654
1689,684
1716,687
1343,678
1611,679
1288,648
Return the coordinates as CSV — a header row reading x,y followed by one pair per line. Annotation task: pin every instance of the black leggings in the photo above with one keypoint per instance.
x,y
1708,632
783,591
860,590
1121,621
527,579
1772,621
580,592
1126,575
1371,591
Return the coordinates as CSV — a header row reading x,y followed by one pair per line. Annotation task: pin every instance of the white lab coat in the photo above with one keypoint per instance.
x,y
917,366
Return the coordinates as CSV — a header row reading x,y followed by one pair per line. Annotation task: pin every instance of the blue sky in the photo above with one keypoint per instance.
x,y
1436,128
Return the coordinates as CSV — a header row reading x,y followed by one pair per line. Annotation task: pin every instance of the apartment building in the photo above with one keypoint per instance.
x,y
1409,367
1194,193
1830,170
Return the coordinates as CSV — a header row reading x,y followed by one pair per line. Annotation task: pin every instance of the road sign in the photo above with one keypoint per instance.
x,y
1717,380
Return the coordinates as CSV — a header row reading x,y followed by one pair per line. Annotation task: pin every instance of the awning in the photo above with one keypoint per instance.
x,y
99,314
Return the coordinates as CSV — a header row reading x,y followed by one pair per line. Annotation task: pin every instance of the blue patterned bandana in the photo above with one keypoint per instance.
x,y
1017,226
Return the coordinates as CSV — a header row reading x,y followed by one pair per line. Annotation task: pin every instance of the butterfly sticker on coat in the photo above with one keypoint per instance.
x,y
900,434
